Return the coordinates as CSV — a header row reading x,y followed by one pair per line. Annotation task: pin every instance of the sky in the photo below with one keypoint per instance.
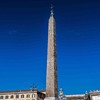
x,y
23,44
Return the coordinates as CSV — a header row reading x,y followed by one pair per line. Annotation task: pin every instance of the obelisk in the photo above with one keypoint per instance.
x,y
51,77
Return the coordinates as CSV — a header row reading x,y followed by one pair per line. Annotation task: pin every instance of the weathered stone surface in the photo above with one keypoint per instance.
x,y
51,78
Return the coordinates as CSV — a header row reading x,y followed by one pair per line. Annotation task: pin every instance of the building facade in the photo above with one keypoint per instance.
x,y
95,95
77,97
73,97
22,95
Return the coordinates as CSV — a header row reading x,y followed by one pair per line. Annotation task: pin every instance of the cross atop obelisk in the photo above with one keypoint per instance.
x,y
52,10
51,78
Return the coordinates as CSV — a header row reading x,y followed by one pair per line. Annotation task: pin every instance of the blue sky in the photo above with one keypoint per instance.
x,y
23,44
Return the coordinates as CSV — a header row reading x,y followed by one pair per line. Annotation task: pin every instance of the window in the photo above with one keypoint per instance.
x,y
17,96
22,96
33,95
12,97
6,97
27,96
1,97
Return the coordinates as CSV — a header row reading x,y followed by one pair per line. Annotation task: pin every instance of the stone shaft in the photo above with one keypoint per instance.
x,y
51,78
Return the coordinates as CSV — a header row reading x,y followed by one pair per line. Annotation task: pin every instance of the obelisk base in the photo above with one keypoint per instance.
x,y
51,98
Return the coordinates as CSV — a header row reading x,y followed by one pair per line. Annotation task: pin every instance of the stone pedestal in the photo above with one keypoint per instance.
x,y
51,98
